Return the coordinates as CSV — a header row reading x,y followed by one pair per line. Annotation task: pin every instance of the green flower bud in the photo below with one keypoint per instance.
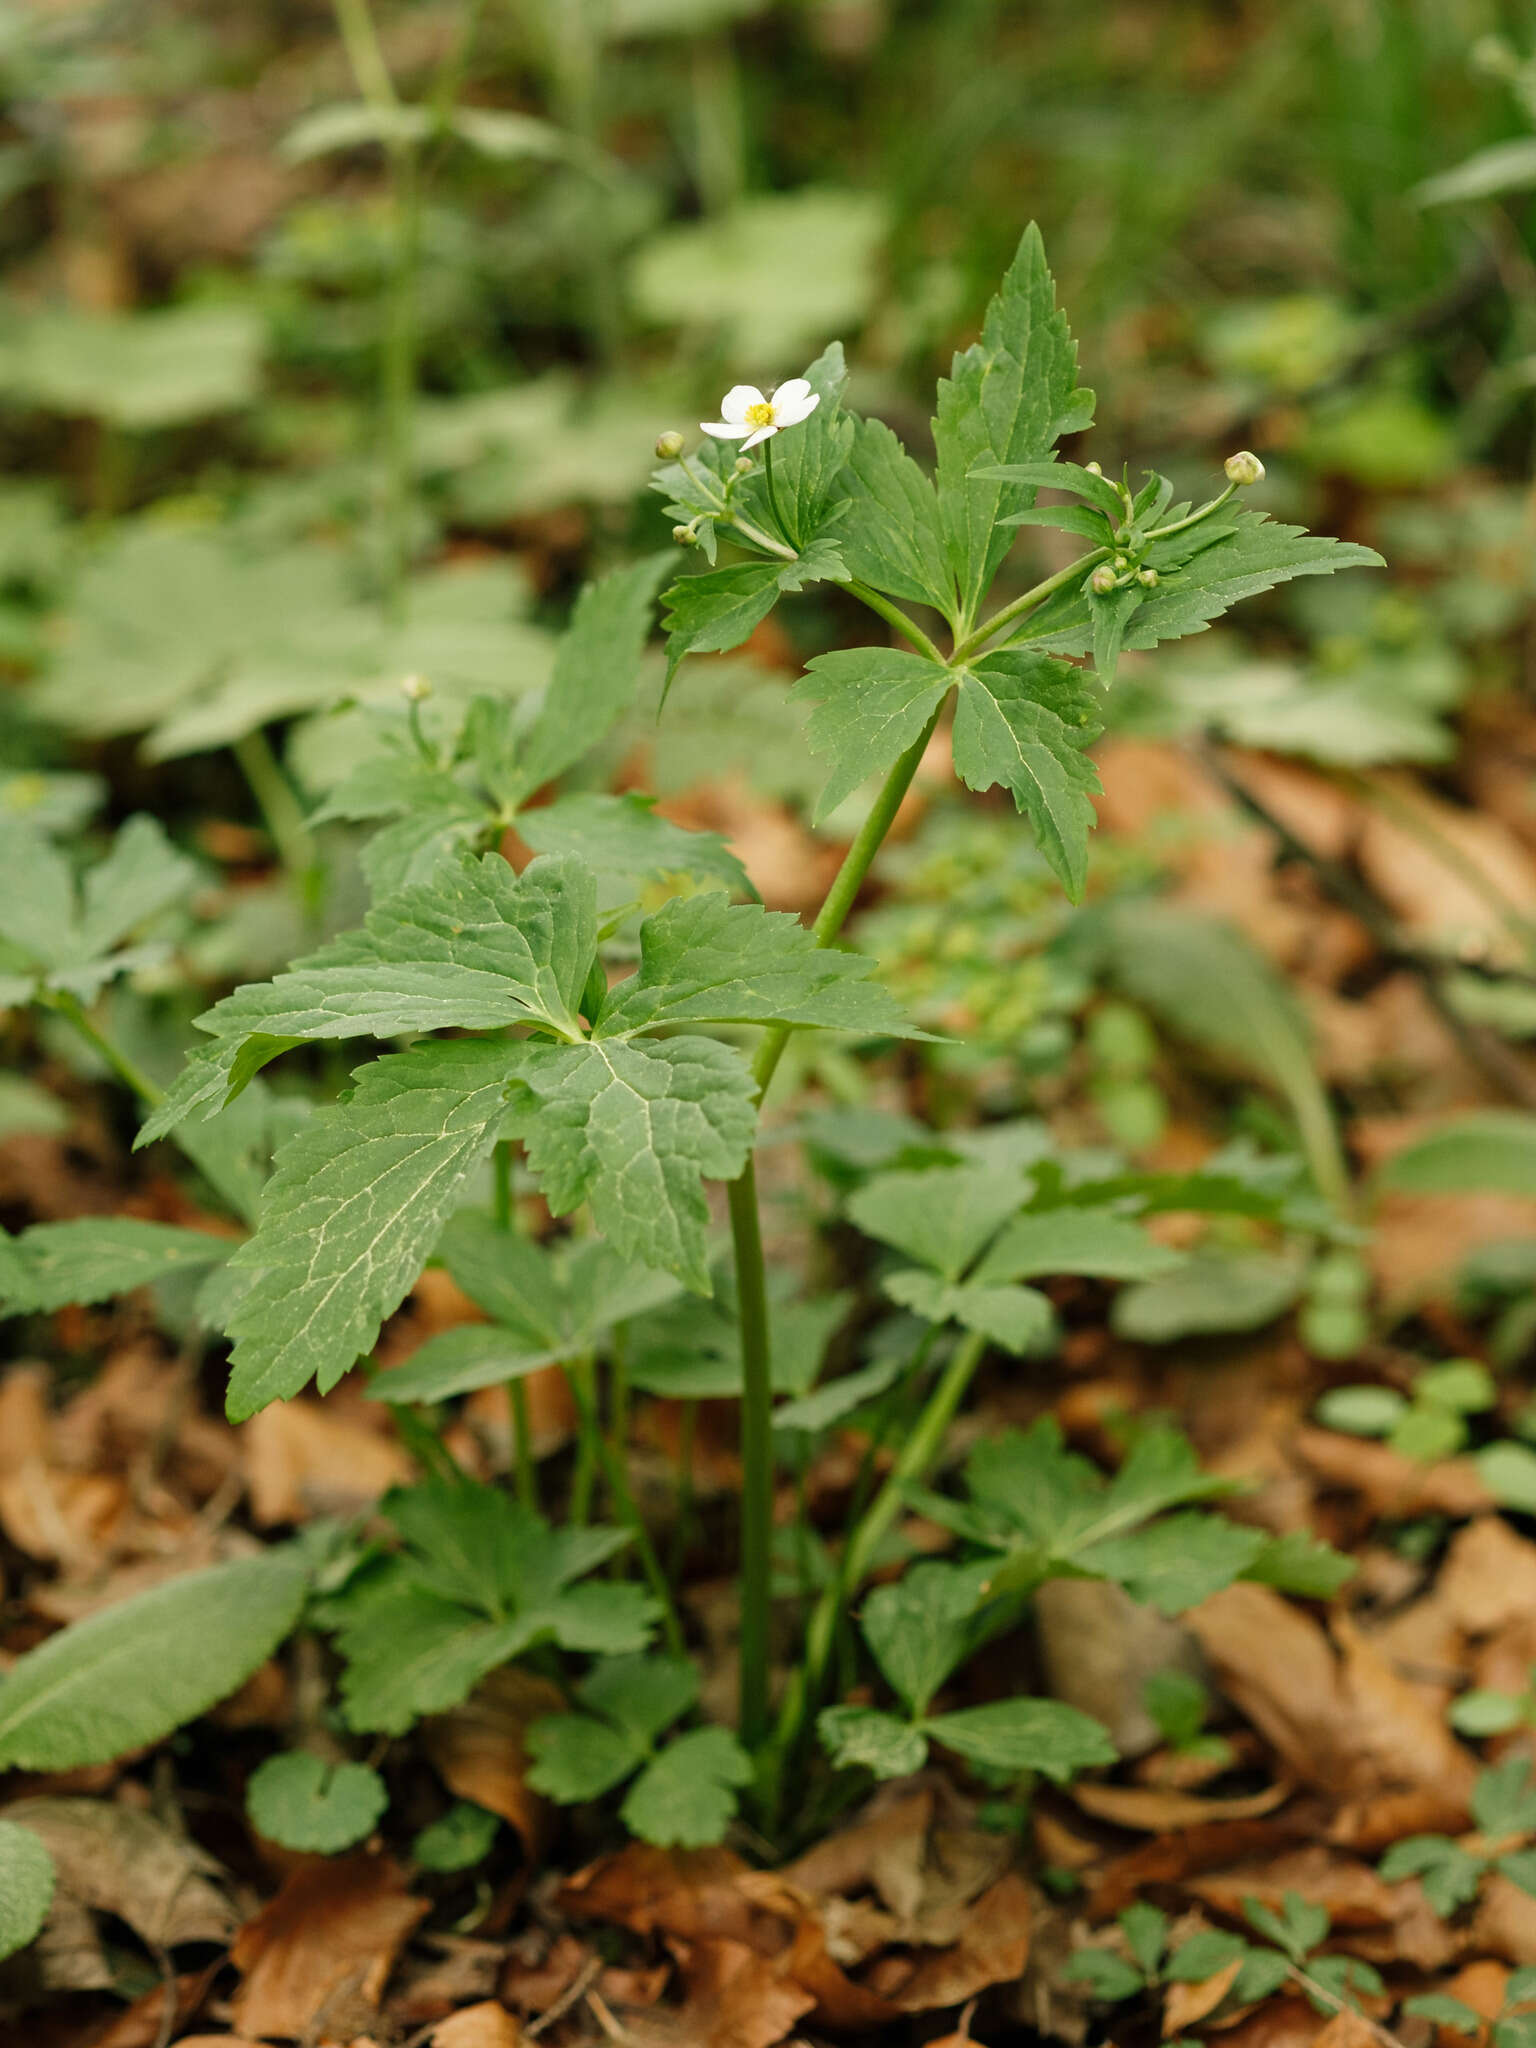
x,y
1244,468
1103,579
743,464
1093,468
685,536
415,689
1122,563
1147,578
669,445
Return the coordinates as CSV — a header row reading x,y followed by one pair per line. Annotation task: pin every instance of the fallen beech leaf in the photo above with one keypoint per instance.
x,y
488,2025
695,1894
1351,1890
218,2041
116,1860
1347,2029
1155,1809
1393,1486
1277,2023
1505,1921
992,1948
303,1460
143,2024
1186,2004
737,1998
1173,1859
333,1931
1488,1579
1100,1647
1481,1985
477,1749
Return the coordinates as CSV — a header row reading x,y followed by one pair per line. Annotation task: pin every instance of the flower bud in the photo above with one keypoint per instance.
x,y
415,689
1103,579
1094,468
743,464
669,445
1244,468
1122,563
1147,578
685,536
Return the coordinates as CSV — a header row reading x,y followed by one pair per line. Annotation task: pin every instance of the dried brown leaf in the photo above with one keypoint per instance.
x,y
479,1753
331,1935
117,1860
488,2025
1185,2005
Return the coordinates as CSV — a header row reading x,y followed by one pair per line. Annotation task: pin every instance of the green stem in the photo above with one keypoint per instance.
x,y
756,1456
849,880
1031,599
629,1513
682,1510
131,1076
895,616
917,1455
773,496
281,811
580,1378
522,1444
501,1168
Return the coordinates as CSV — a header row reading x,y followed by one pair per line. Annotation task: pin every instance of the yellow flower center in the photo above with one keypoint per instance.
x,y
760,415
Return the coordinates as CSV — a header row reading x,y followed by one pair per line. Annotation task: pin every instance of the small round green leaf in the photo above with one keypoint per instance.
x,y
460,1840
26,1886
301,1802
1362,1411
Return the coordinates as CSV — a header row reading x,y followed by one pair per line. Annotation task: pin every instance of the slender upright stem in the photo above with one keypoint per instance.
x,y
917,1455
628,1512
682,1509
281,811
989,629
582,1381
756,1456
519,1412
132,1076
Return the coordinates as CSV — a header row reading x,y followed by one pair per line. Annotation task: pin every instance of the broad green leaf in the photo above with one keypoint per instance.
x,y
1199,1958
141,876
1362,1411
409,1651
1176,1562
942,1217
1178,1702
710,613
626,836
96,1258
460,1360
839,1397
1025,1735
1110,617
1146,1934
1508,1470
922,1626
1008,398
1444,2011
476,947
685,1798
1209,1294
1024,722
1480,1713
577,1757
460,1840
1086,1241
1202,573
139,371
1108,1977
1297,1928
300,1801
1018,1319
644,1694
809,485
872,703
561,1292
28,1110
892,535
635,1129
1211,984
477,1545
1060,476
130,1674
1301,1563
26,1887
352,1211
597,669
69,939
1484,1150
1263,1972
703,960
882,1743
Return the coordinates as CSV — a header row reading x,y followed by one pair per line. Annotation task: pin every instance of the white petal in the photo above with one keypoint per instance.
x,y
762,434
724,430
799,406
791,393
733,406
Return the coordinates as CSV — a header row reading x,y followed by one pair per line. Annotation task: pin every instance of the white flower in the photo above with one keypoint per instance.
x,y
748,417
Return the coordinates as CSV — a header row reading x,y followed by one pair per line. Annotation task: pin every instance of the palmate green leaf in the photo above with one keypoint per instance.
x,y
710,613
644,1694
1236,554
1107,1976
560,1293
352,1211
138,370
1176,1562
1210,1294
597,669
1025,1735
839,1397
706,961
809,485
409,1651
685,1798
301,1802
1090,1242
872,703
1301,1563
922,1626
880,1742
576,1757
26,1887
67,938
475,947
1025,723
624,836
129,1675
53,1264
635,1129
460,1360
1018,1319
892,535
1009,398
942,1217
